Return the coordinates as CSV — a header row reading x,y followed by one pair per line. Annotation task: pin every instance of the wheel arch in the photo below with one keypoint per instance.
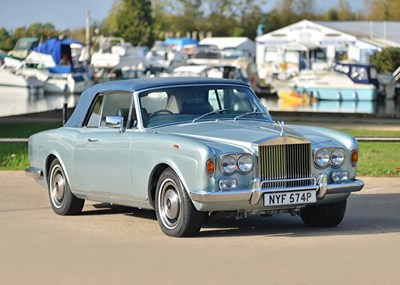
x,y
49,161
50,158
154,177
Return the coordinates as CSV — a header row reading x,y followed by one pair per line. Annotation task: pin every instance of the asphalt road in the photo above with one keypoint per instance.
x,y
119,245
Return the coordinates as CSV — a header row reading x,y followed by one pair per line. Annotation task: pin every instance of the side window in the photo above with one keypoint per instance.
x,y
94,119
111,104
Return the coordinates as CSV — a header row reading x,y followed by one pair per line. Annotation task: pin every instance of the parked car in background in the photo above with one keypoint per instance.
x,y
190,147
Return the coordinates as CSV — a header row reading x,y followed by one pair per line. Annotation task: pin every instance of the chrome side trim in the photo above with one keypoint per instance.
x,y
254,195
34,172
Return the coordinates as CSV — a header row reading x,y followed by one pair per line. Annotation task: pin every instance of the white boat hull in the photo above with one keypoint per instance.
x,y
335,86
58,83
8,78
66,84
367,93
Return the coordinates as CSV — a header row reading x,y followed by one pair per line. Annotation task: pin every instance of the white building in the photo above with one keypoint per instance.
x,y
317,45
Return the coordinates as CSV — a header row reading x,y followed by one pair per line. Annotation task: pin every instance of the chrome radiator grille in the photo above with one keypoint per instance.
x,y
285,165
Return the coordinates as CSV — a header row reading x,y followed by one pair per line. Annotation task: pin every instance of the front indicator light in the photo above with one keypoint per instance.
x,y
354,157
210,167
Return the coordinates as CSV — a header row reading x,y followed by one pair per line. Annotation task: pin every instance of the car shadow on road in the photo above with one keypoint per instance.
x,y
109,209
366,214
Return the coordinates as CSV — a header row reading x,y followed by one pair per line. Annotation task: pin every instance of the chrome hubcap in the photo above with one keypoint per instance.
x,y
169,203
57,186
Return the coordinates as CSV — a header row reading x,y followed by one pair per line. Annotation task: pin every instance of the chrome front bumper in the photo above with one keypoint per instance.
x,y
34,172
255,193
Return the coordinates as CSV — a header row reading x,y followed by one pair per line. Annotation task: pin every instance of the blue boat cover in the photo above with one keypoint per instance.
x,y
59,69
181,42
56,48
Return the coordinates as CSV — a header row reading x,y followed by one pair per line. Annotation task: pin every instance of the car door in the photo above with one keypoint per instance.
x,y
102,152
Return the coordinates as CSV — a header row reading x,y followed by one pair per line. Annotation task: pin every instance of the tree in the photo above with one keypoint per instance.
x,y
37,30
383,10
191,15
5,40
222,18
344,11
287,12
250,20
305,8
132,20
387,60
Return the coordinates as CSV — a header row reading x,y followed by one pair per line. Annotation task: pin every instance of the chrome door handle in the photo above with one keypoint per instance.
x,y
93,140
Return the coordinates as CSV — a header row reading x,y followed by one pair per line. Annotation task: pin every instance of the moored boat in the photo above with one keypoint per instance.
x,y
10,79
53,65
347,81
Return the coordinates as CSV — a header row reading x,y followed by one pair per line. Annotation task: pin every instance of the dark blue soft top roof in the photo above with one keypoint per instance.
x,y
78,116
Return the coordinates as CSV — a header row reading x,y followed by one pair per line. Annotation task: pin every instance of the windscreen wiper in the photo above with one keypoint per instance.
x,y
209,113
249,113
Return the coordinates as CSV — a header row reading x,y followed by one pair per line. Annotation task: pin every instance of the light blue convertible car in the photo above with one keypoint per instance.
x,y
190,147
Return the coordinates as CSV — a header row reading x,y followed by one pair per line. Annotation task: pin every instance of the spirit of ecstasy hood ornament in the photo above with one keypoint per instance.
x,y
282,125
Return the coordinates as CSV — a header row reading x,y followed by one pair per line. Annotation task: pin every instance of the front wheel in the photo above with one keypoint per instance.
x,y
325,215
175,212
62,200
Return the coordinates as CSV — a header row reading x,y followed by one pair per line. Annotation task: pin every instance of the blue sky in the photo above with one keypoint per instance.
x,y
64,14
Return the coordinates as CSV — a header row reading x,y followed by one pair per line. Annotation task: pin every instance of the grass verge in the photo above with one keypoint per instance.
x,y
379,159
14,156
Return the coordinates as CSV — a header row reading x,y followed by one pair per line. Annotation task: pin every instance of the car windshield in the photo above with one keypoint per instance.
x,y
191,104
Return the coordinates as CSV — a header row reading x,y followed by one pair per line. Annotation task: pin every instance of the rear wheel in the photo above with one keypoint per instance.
x,y
176,213
326,215
62,200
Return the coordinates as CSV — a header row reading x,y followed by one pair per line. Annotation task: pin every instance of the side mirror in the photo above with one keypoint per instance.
x,y
115,122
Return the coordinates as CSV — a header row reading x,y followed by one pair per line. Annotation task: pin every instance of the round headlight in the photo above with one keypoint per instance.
x,y
245,163
228,164
337,157
322,158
